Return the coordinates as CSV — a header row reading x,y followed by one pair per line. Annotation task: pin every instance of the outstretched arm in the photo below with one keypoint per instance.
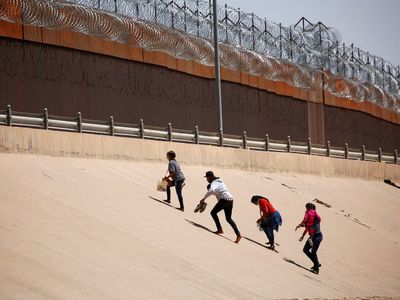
x,y
209,193
303,223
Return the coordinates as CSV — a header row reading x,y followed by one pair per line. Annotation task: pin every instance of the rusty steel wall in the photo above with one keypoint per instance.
x,y
35,75
358,128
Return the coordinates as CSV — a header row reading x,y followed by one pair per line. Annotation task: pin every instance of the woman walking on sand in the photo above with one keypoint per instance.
x,y
270,219
311,223
175,178
218,188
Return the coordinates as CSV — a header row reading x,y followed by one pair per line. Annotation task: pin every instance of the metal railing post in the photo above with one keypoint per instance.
x,y
196,135
244,140
45,119
288,145
363,152
328,148
380,154
309,146
346,150
266,142
8,115
169,132
79,122
395,156
221,137
141,129
111,125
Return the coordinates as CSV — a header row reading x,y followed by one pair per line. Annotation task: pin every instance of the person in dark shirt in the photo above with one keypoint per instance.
x,y
175,178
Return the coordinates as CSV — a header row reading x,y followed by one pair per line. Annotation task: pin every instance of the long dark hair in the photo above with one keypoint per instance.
x,y
255,198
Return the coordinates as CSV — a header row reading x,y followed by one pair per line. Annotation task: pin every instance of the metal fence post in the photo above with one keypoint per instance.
x,y
79,122
395,156
8,115
363,152
155,11
45,119
141,129
288,145
266,142
196,135
346,150
221,138
309,146
380,154
111,125
328,148
244,140
170,132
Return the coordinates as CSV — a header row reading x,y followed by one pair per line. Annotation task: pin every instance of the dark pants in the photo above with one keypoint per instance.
x,y
227,206
269,231
270,224
178,188
317,239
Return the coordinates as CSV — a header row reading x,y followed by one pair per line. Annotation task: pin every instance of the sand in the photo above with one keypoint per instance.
x,y
79,228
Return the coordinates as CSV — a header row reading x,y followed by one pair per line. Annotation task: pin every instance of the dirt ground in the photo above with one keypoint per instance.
x,y
74,228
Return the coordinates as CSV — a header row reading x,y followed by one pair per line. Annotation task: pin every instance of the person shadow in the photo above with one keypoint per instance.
x,y
259,244
206,229
160,201
295,263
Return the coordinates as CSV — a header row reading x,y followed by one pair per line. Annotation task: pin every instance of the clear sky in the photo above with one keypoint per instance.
x,y
372,25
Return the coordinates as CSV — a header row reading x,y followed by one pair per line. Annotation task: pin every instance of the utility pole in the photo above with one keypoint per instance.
x,y
217,69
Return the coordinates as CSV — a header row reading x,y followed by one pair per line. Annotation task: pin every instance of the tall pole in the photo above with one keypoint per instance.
x,y
217,69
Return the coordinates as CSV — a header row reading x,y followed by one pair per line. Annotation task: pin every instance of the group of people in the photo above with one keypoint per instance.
x,y
270,218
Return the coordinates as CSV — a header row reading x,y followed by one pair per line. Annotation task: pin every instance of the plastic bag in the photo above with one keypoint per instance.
x,y
162,185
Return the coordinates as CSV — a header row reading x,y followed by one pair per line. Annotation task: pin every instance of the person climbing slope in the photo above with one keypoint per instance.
x,y
311,223
225,202
175,178
270,219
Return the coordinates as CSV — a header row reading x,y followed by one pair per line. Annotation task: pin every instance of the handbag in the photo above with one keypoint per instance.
x,y
162,185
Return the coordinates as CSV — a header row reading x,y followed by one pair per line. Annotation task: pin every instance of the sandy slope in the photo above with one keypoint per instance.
x,y
73,228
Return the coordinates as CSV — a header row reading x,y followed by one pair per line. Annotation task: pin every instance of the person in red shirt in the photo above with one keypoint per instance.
x,y
270,219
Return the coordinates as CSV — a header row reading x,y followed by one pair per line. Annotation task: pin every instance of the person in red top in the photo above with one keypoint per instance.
x,y
270,219
311,223
311,217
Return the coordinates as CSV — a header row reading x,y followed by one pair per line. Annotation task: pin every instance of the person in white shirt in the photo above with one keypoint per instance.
x,y
225,202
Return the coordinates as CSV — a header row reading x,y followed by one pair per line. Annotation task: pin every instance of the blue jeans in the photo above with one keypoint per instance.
x,y
178,188
317,239
270,224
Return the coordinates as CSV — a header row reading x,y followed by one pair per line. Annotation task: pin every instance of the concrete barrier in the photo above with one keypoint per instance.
x,y
56,143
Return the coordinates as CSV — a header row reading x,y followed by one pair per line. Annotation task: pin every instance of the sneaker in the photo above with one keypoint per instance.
x,y
238,238
180,208
271,248
314,270
220,231
168,201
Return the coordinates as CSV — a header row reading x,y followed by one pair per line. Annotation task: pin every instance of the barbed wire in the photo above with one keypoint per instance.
x,y
304,55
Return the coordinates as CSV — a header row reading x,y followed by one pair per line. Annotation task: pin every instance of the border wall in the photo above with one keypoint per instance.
x,y
69,72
